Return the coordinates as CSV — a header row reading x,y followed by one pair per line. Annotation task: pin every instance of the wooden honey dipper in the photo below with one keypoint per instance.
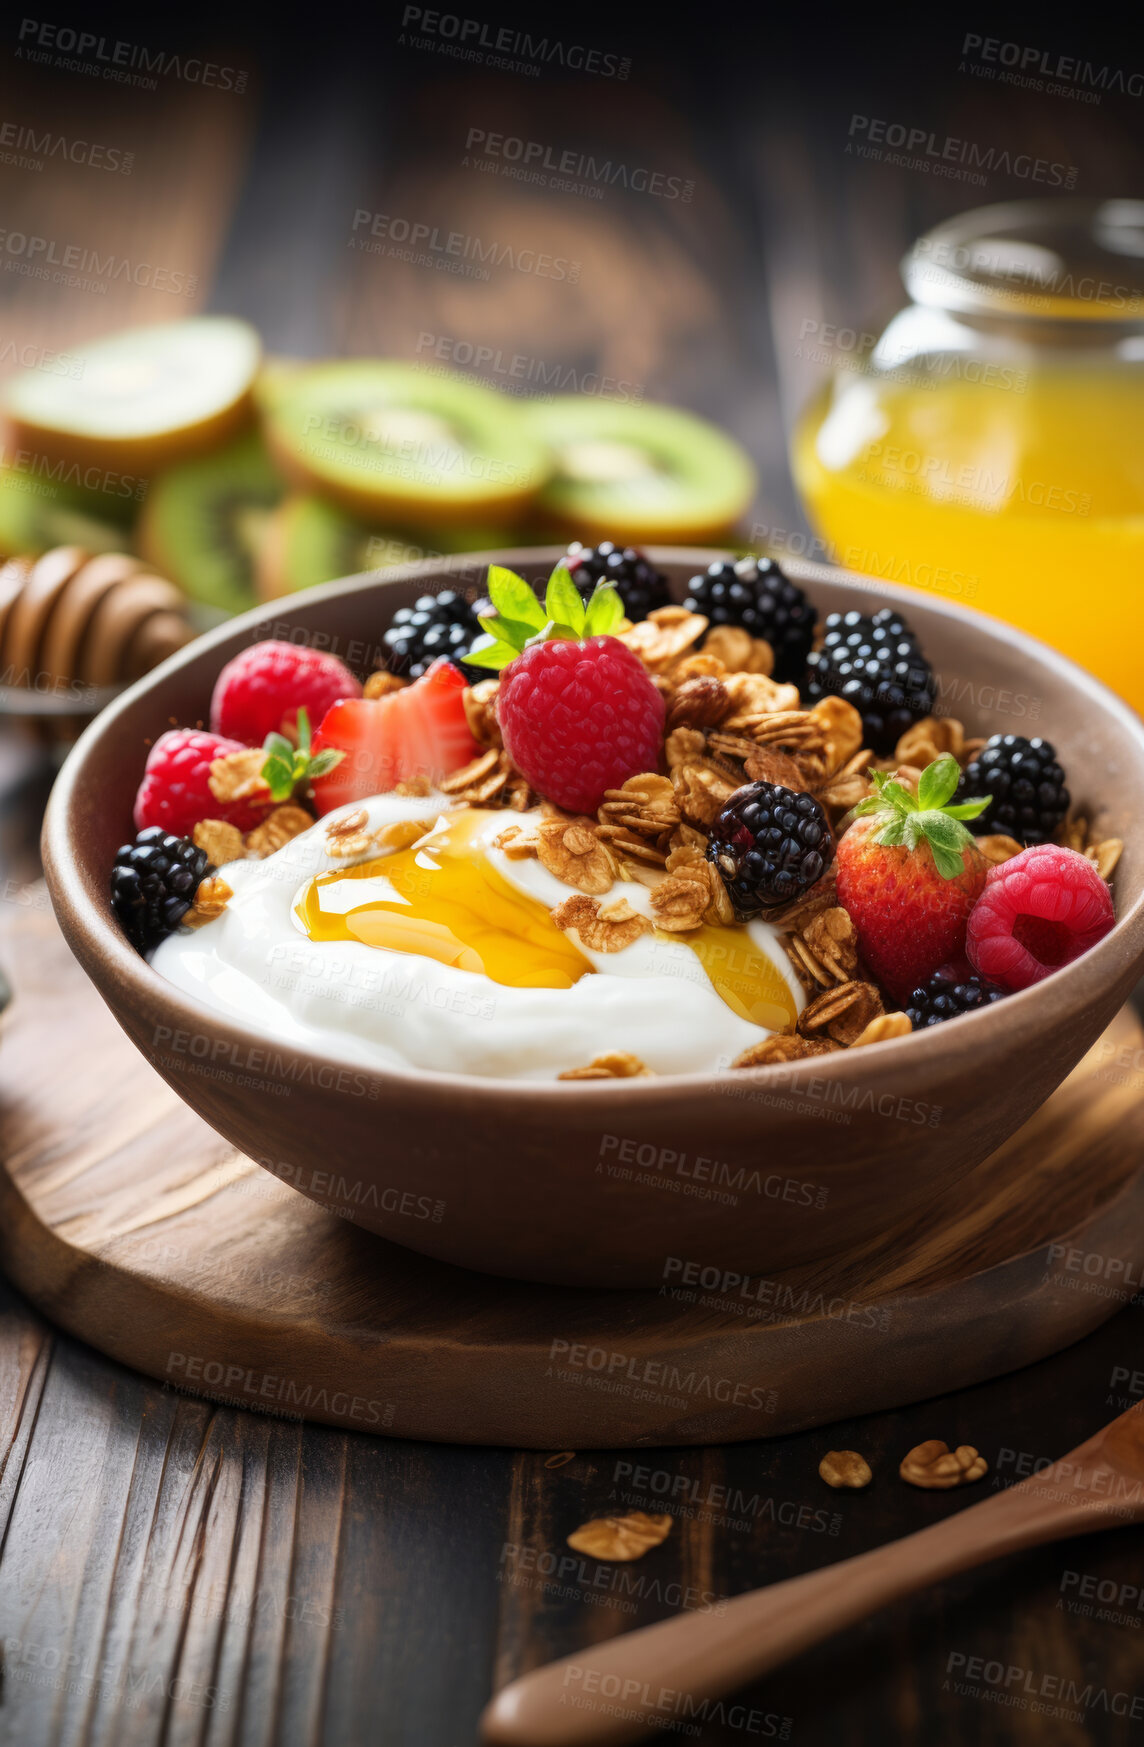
x,y
71,624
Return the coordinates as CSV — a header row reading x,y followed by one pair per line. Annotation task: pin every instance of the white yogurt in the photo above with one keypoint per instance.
x,y
373,1007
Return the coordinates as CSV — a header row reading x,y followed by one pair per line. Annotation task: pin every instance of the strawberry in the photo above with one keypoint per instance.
x,y
261,689
577,710
909,873
419,731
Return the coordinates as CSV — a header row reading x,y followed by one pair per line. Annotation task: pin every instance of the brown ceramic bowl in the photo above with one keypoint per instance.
x,y
622,1183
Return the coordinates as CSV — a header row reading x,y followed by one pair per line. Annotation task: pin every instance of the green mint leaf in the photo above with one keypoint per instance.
x,y
969,809
562,601
605,610
280,778
326,761
303,731
511,631
277,746
514,598
491,652
938,782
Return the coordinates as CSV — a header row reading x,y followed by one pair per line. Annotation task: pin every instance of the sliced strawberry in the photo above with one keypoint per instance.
x,y
419,731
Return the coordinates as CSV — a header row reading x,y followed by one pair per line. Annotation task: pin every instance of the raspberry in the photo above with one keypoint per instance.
x,y
579,718
262,689
175,792
1039,911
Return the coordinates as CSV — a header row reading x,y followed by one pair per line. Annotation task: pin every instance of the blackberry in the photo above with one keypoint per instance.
x,y
153,884
641,587
755,594
770,845
1030,800
436,624
947,994
875,663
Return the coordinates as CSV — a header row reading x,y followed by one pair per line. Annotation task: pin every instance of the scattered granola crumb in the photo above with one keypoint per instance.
x,y
619,1065
570,849
782,1047
279,827
581,915
937,1468
618,910
824,948
621,1537
933,735
845,1468
998,848
349,835
700,702
211,900
1105,855
882,1028
401,833
219,841
843,1013
238,776
518,842
381,683
480,705
665,635
738,650
691,894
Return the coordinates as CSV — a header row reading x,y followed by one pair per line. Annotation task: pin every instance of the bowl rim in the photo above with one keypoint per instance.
x,y
1017,1021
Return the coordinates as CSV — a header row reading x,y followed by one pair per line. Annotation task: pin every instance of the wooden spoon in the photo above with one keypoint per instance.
x,y
619,1691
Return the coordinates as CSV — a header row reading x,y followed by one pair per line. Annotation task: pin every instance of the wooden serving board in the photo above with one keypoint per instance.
x,y
132,1224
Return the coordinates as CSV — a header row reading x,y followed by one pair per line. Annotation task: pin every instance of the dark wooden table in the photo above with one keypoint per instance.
x,y
172,1572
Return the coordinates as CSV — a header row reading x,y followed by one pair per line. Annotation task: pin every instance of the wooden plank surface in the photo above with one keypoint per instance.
x,y
172,1572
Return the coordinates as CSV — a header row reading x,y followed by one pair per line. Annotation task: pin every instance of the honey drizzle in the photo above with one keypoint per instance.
x,y
449,903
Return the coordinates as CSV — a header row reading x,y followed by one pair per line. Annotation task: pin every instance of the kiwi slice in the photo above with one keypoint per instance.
x,y
638,473
309,541
393,444
36,515
142,400
203,523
